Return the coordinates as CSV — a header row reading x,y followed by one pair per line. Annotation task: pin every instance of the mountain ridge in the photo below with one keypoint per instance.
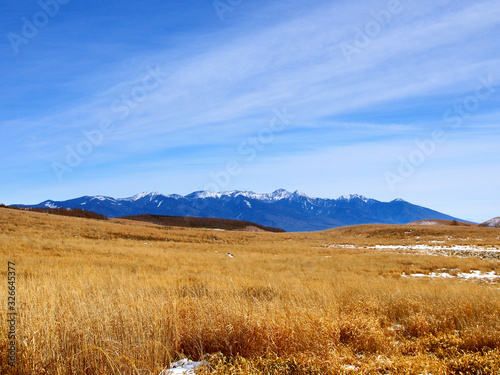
x,y
282,209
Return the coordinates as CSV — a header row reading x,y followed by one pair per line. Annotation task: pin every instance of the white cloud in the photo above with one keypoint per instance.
x,y
224,87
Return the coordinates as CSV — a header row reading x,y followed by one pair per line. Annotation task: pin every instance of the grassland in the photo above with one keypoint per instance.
x,y
125,297
204,223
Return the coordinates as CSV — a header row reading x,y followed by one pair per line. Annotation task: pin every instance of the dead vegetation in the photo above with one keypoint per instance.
x,y
106,297
75,212
201,222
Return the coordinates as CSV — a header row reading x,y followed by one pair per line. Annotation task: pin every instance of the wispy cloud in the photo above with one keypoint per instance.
x,y
221,83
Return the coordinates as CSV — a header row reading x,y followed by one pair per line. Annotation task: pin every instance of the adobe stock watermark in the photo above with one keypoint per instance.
x,y
454,116
224,6
364,36
121,108
31,26
249,148
464,108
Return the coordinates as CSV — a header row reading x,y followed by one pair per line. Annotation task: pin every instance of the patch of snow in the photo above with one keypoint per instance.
x,y
353,196
246,194
493,223
207,194
269,197
350,367
184,366
298,193
99,197
278,195
396,327
153,195
476,274
472,275
444,275
453,250
342,246
175,196
248,203
139,196
428,222
50,205
136,197
434,247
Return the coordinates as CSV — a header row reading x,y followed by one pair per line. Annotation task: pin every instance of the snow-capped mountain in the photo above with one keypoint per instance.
x,y
282,209
274,196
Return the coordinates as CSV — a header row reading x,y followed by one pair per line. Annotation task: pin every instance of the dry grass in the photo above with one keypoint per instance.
x,y
199,222
119,297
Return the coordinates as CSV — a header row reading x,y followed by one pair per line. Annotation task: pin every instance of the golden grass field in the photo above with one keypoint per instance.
x,y
123,297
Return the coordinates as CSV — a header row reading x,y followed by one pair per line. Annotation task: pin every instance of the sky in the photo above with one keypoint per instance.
x,y
388,99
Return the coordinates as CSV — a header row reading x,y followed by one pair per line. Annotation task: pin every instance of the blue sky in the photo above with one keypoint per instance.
x,y
389,99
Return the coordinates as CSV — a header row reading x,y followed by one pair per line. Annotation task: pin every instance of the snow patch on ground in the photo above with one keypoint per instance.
x,y
493,223
475,274
350,368
452,250
428,222
342,246
471,276
434,247
184,366
462,251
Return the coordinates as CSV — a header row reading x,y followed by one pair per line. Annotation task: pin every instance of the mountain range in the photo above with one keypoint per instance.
x,y
282,209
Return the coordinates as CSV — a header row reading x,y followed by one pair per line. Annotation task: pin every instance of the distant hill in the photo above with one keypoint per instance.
x,y
74,212
281,209
197,222
443,222
492,223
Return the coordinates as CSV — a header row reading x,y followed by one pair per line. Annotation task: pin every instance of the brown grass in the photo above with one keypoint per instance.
x,y
102,297
201,222
74,212
444,222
